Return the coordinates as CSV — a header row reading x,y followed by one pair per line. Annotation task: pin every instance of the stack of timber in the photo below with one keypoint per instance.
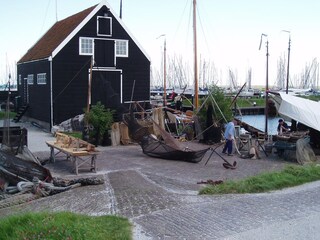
x,y
72,144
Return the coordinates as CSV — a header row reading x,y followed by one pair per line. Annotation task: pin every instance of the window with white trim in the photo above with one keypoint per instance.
x,y
19,79
121,48
30,79
41,78
104,26
86,46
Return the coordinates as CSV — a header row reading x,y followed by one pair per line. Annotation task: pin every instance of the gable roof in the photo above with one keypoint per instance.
x,y
61,33
54,36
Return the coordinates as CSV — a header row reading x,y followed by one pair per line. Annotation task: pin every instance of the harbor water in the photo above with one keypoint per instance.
x,y
258,121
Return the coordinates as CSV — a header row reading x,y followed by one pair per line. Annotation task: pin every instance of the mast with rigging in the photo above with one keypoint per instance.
x,y
267,81
196,100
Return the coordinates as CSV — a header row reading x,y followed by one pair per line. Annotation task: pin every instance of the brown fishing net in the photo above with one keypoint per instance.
x,y
167,148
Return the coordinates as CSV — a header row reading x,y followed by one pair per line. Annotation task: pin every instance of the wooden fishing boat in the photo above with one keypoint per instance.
x,y
14,169
154,147
165,147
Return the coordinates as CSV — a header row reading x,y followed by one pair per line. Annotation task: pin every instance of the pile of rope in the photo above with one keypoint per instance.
x,y
26,191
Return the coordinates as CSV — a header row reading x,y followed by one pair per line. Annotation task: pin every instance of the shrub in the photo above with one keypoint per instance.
x,y
100,118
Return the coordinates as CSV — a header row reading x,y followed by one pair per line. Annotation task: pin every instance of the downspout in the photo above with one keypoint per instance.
x,y
51,95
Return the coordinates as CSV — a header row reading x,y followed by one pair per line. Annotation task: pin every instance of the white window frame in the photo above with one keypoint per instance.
x,y
30,79
86,46
122,48
105,35
19,79
41,78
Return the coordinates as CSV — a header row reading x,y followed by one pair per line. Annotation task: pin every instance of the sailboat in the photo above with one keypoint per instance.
x,y
168,147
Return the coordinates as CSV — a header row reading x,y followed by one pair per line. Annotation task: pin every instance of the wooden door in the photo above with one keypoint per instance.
x,y
106,87
104,53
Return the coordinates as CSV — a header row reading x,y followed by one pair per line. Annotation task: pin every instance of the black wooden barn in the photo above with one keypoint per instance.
x,y
53,76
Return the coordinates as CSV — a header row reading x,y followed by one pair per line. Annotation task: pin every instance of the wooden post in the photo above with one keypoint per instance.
x,y
89,86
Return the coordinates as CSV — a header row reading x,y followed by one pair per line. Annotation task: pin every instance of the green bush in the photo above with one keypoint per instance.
x,y
100,118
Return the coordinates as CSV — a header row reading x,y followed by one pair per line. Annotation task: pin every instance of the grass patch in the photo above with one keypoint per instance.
x,y
64,225
248,102
3,115
312,97
290,176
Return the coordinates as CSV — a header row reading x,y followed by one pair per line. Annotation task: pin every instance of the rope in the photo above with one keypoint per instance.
x,y
38,187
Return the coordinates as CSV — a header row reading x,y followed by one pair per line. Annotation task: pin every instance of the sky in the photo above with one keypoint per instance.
x,y
228,32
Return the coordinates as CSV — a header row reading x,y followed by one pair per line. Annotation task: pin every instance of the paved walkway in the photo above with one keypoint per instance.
x,y
160,197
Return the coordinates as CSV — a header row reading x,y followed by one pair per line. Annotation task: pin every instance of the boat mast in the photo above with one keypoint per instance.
x,y
164,72
267,88
196,102
164,69
267,81
289,45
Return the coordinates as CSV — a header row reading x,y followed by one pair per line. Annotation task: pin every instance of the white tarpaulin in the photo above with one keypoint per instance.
x,y
300,109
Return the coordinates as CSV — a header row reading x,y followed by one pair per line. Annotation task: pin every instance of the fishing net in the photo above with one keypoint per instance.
x,y
167,147
159,149
304,152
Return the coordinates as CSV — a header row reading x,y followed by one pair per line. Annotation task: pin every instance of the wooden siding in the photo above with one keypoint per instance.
x,y
39,94
70,85
71,75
